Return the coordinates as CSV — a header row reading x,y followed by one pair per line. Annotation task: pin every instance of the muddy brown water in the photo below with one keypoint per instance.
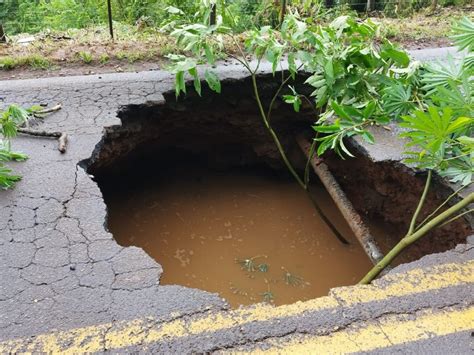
x,y
247,235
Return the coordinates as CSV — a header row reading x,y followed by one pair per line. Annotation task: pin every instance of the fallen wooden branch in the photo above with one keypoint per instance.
x,y
60,136
62,143
49,110
346,208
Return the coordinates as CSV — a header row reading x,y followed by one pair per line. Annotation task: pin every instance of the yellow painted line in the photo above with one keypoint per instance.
x,y
386,332
129,333
416,280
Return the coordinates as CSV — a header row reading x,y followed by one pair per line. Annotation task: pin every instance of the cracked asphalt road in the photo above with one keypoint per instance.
x,y
61,269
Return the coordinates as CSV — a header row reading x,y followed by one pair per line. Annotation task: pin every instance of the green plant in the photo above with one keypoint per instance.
x,y
249,264
10,119
441,129
104,58
7,63
35,61
86,57
463,34
291,279
268,296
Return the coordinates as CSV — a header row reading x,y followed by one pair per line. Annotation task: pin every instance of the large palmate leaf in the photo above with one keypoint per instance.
x,y
437,137
464,34
442,73
460,98
397,99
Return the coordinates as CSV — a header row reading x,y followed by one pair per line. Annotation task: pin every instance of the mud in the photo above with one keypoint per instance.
x,y
201,224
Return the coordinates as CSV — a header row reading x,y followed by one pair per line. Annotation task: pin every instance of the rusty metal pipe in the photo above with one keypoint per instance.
x,y
345,206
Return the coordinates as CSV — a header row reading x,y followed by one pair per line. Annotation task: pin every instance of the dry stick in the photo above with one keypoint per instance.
x,y
344,205
49,110
62,143
61,136
410,239
35,133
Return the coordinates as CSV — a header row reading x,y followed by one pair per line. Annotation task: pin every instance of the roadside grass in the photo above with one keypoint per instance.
x,y
132,44
88,46
86,57
423,26
33,61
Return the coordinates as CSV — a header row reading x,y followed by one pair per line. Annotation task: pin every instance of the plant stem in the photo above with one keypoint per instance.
x,y
283,82
441,206
458,216
303,184
420,204
273,134
411,238
308,162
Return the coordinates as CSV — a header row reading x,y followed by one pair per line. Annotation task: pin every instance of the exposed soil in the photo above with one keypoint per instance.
x,y
390,191
75,68
78,68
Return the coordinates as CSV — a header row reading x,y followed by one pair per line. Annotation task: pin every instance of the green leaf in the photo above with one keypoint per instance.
x,y
400,57
324,146
293,99
292,65
345,150
209,54
197,82
369,109
329,73
179,85
7,179
213,81
468,141
397,99
368,137
327,128
463,34
339,110
441,74
459,123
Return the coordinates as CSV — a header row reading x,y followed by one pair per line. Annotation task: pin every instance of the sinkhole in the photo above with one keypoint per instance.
x,y
199,185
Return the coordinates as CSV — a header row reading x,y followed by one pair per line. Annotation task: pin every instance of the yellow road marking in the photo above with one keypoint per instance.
x,y
437,277
389,331
129,333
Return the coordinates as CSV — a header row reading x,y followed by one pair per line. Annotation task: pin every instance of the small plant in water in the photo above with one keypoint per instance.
x,y
292,279
263,267
268,295
250,265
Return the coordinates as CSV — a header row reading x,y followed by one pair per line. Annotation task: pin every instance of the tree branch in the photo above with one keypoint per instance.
x,y
410,239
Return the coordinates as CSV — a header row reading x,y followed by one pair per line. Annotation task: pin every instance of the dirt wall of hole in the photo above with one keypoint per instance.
x,y
390,191
225,127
